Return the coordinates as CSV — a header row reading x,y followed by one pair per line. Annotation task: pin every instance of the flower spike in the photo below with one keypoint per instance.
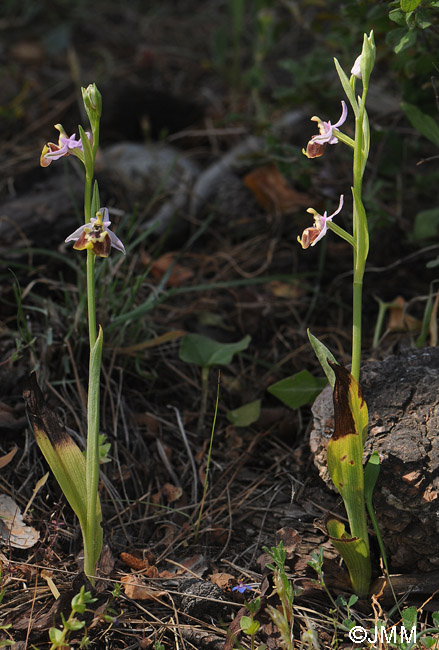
x,y
96,236
317,145
314,233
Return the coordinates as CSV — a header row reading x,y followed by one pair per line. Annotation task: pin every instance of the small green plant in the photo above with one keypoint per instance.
x,y
249,624
59,637
283,618
205,352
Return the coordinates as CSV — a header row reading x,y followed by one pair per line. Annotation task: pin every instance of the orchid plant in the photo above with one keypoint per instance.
x,y
345,449
78,477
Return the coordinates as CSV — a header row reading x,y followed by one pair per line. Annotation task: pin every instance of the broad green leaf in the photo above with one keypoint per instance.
x,y
397,16
60,450
323,355
409,617
245,415
355,552
345,448
302,388
248,625
409,5
426,224
205,352
422,122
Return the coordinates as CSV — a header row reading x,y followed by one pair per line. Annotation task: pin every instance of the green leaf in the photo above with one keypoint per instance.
x,y
249,626
60,450
406,41
426,224
245,415
409,617
345,465
409,5
355,553
205,352
88,154
347,88
302,388
397,17
55,635
422,122
323,355
371,473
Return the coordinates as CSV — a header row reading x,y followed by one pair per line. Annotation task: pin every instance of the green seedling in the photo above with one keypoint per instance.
x,y
249,625
76,475
205,352
282,617
59,638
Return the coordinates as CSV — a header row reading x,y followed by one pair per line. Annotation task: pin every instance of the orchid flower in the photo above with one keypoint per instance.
x,y
96,236
316,146
66,145
313,234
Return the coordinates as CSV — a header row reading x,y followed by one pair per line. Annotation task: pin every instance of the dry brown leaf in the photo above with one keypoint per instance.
x,y
170,492
290,539
272,191
137,589
399,319
223,580
4,460
179,274
13,530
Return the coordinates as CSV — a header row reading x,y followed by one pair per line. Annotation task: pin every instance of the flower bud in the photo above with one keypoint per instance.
x,y
92,99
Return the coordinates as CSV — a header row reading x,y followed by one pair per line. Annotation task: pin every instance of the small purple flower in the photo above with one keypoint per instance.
x,y
316,146
241,587
66,145
314,233
96,236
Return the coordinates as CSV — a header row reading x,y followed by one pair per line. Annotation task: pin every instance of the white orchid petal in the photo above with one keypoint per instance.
x,y
76,234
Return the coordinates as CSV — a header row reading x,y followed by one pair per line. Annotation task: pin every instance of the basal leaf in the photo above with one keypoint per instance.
x,y
345,448
355,553
60,450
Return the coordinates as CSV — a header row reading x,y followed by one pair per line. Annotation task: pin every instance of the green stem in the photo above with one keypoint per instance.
x,y
356,329
91,297
359,257
92,545
204,391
